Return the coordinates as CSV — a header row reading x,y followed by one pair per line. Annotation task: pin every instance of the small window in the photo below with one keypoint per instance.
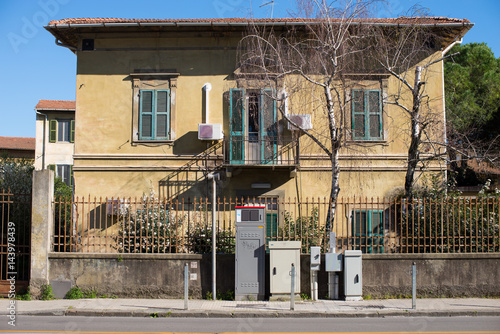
x,y
154,115
62,130
366,115
65,172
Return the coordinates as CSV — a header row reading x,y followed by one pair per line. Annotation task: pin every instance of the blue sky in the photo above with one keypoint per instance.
x,y
34,68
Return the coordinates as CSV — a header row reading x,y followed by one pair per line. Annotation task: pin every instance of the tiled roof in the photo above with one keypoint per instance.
x,y
17,143
398,20
55,105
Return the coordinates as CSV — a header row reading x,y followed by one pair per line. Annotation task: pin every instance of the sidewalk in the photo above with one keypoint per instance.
x,y
222,309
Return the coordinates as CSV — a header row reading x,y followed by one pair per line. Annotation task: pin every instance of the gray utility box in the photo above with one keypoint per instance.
x,y
353,278
250,253
333,262
281,256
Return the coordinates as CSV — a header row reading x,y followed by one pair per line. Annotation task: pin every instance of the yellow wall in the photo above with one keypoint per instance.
x,y
109,162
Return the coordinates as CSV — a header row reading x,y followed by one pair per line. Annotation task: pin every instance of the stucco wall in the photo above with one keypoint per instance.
x,y
109,162
160,276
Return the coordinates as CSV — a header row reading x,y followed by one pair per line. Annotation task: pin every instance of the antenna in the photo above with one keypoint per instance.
x,y
272,6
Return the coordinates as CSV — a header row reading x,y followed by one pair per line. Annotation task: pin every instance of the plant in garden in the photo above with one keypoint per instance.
x,y
200,240
62,215
74,293
47,293
150,228
305,228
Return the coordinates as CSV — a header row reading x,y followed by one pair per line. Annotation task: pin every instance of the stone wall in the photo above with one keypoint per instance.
x,y
161,275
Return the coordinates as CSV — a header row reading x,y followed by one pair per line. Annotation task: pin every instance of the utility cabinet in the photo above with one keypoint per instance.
x,y
353,278
250,253
281,256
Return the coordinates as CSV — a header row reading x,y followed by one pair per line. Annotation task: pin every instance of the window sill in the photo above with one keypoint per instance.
x,y
368,141
138,142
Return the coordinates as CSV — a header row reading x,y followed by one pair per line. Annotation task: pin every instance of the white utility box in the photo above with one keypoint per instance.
x,y
353,278
210,132
315,258
281,256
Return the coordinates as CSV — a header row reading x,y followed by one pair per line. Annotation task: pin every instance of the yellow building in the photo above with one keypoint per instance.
x,y
146,91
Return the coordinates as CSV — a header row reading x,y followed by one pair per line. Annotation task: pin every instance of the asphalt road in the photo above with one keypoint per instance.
x,y
392,325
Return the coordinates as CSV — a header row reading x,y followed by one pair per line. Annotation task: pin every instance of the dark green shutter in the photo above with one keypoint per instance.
x,y
52,131
72,133
71,175
237,126
146,123
52,168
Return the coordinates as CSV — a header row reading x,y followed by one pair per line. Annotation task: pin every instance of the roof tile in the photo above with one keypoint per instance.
x,y
17,143
55,105
398,20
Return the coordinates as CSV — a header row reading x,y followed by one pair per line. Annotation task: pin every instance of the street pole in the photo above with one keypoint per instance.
x,y
414,286
214,177
292,289
186,286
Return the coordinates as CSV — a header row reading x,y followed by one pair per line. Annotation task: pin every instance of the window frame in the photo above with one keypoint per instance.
x,y
54,127
154,114
369,241
366,115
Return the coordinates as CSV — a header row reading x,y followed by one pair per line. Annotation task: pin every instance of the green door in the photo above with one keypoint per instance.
x,y
237,117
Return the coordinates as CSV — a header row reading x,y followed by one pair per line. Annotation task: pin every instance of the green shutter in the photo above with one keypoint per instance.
x,y
72,133
52,131
162,114
268,123
146,108
237,126
52,168
71,175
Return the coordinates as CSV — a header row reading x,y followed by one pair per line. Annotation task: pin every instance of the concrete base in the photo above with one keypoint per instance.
x,y
248,297
278,297
353,298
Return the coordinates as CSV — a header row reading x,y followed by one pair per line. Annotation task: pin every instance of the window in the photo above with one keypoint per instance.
x,y
368,230
366,115
65,172
252,126
154,114
62,130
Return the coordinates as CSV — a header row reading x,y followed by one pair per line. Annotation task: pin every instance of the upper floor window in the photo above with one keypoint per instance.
x,y
153,108
62,130
366,114
154,114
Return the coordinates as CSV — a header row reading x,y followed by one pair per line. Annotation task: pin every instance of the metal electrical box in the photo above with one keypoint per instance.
x,y
250,253
282,254
333,262
353,278
315,258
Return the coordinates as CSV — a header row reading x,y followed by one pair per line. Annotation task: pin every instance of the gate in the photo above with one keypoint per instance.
x,y
15,240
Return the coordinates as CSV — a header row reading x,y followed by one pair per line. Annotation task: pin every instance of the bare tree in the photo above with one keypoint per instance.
x,y
408,52
307,66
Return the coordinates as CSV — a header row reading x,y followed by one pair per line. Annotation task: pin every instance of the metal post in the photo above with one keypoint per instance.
x,y
214,208
335,286
414,286
292,290
186,286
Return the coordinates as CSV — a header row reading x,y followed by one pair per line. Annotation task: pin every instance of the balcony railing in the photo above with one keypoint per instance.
x,y
260,150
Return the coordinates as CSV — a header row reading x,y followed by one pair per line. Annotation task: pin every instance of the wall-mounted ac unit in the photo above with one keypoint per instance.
x,y
303,121
210,132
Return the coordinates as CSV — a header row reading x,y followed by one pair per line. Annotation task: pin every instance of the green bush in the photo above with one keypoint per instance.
x,y
47,293
24,294
305,228
200,240
74,293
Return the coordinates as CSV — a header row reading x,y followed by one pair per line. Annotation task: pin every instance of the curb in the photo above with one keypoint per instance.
x,y
246,314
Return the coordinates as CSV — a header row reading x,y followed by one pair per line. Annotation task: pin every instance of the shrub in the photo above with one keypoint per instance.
x,y
74,293
47,293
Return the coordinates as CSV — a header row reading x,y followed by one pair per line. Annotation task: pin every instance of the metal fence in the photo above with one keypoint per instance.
x,y
152,225
15,240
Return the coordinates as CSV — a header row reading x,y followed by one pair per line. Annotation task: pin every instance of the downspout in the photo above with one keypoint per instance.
x,y
72,48
207,88
445,51
43,137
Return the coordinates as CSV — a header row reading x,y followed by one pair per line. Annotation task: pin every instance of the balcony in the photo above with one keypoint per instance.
x,y
260,151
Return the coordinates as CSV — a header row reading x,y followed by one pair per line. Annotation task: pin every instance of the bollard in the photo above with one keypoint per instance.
x,y
414,286
292,293
186,285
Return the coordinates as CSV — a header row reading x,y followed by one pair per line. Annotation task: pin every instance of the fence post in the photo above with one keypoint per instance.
x,y
42,220
292,289
186,285
414,286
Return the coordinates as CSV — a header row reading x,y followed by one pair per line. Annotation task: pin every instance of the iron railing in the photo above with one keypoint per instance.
x,y
152,225
260,150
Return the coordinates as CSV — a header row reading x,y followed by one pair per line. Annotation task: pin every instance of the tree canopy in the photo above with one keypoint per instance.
x,y
472,88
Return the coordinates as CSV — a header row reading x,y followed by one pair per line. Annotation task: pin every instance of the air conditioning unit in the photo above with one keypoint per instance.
x,y
303,121
210,132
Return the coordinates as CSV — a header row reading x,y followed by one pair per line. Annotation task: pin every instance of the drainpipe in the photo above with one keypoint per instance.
x,y
214,177
72,48
445,51
207,88
43,137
